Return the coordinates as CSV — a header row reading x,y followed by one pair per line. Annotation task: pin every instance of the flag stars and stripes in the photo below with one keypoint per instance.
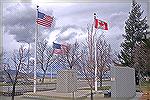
x,y
59,48
44,20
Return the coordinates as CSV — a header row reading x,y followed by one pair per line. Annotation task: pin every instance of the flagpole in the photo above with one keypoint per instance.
x,y
95,54
35,62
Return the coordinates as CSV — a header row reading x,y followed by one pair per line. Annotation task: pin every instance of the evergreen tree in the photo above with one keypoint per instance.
x,y
136,30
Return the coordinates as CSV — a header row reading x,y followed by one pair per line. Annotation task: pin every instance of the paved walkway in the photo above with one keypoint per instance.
x,y
80,95
38,97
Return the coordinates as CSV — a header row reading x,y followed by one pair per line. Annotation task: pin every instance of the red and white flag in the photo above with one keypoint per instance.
x,y
60,48
101,24
58,51
44,19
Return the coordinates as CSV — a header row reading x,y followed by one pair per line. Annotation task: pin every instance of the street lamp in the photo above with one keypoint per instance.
x,y
28,54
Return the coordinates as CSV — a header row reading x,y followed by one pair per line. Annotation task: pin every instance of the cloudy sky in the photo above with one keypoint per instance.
x,y
71,21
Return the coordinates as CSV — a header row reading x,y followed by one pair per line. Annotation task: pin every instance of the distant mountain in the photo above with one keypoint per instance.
x,y
11,72
5,77
31,74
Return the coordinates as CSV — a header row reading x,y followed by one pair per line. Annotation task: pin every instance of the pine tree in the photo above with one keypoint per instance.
x,y
135,29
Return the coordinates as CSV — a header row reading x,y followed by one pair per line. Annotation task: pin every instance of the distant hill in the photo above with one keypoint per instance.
x,y
21,75
30,75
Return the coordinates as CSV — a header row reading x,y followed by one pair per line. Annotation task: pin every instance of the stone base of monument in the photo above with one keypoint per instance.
x,y
66,81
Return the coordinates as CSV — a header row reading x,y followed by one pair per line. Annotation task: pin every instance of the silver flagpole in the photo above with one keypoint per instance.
x,y
35,62
94,31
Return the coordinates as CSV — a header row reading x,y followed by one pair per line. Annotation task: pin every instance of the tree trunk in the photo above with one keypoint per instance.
x,y
100,79
91,94
43,76
13,91
136,77
139,75
70,66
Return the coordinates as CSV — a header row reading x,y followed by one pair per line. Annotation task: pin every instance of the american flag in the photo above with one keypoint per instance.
x,y
44,20
59,48
58,51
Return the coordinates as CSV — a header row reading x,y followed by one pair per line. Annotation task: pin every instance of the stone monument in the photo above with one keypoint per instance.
x,y
66,81
122,82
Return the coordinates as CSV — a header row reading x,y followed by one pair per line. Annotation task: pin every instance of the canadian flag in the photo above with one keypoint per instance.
x,y
101,24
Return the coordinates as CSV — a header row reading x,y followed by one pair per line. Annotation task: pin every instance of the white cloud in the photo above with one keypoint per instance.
x,y
11,43
52,37
71,21
114,37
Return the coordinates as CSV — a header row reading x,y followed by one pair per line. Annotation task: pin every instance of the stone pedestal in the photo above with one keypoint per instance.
x,y
66,81
122,82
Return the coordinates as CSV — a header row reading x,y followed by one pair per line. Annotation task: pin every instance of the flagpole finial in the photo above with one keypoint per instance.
x,y
94,15
37,7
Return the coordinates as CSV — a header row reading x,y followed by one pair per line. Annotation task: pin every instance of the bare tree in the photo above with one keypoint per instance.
x,y
141,57
1,67
44,57
87,71
70,56
17,62
87,62
116,60
103,57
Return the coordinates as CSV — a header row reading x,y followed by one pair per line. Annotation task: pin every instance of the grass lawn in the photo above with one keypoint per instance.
x,y
49,80
145,86
99,88
5,84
